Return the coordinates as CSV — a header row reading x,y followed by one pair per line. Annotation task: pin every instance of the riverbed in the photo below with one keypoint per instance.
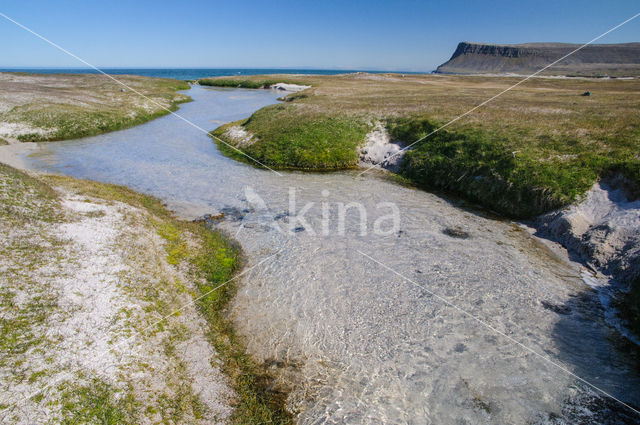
x,y
447,316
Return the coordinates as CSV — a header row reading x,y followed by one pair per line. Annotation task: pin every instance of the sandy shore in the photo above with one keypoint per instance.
x,y
14,152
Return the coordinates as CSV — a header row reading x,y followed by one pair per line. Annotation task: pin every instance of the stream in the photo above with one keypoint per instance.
x,y
413,316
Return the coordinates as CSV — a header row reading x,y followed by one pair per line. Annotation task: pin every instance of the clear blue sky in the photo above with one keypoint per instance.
x,y
394,35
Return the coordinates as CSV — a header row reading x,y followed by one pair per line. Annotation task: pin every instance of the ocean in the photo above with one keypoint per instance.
x,y
189,73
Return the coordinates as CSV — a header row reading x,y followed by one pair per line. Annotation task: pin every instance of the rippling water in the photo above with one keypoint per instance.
x,y
357,342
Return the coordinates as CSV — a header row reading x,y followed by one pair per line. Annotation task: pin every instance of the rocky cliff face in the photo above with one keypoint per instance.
x,y
593,60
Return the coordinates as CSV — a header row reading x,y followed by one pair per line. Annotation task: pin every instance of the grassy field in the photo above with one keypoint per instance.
x,y
535,148
31,207
41,107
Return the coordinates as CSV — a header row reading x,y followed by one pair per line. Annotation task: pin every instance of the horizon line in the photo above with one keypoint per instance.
x,y
304,68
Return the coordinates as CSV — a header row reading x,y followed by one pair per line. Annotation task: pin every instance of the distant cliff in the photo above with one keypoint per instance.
x,y
593,60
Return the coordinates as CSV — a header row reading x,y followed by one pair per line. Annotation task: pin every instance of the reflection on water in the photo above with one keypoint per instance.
x,y
362,344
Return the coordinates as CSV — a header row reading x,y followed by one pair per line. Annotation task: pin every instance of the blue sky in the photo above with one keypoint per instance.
x,y
392,35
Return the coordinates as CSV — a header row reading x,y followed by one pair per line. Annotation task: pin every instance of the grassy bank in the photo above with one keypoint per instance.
x,y
67,106
289,141
521,181
536,148
215,263
243,83
192,261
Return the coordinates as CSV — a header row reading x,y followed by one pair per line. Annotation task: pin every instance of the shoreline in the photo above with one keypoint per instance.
x,y
12,153
53,107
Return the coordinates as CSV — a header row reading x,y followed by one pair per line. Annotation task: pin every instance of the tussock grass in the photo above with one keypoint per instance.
x,y
538,147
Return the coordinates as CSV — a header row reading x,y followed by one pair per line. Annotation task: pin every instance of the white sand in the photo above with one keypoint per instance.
x,y
289,87
13,153
240,136
379,150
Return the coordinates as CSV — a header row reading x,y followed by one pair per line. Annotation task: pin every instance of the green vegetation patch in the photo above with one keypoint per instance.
x,y
97,403
536,148
496,171
287,137
68,106
24,198
236,83
255,83
483,167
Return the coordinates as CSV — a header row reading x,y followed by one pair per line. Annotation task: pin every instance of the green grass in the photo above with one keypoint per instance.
x,y
232,82
485,168
287,140
98,403
489,168
240,83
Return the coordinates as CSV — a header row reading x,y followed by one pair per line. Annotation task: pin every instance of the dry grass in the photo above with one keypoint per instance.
x,y
539,106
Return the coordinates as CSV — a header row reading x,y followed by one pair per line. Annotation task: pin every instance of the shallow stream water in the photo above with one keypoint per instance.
x,y
429,341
